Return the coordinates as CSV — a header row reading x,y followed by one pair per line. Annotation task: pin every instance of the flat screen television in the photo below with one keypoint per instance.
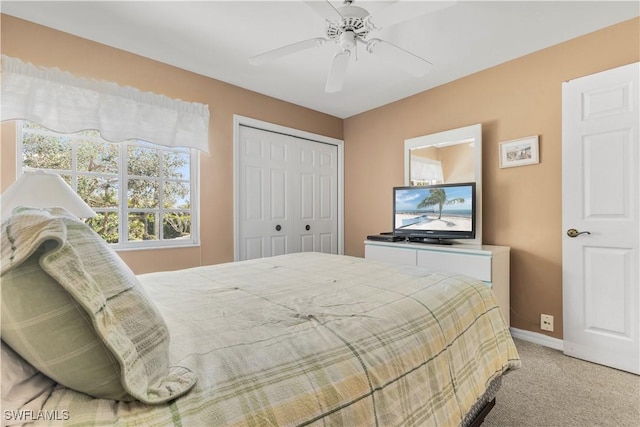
x,y
435,213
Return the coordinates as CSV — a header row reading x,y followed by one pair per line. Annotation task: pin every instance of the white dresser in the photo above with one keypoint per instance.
x,y
487,263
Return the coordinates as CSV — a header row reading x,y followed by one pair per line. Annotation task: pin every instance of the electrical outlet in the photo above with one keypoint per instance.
x,y
546,322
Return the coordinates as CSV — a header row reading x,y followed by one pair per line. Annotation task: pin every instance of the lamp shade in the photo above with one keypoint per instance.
x,y
43,190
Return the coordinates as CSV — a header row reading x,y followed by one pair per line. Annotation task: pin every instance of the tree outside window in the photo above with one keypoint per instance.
x,y
142,192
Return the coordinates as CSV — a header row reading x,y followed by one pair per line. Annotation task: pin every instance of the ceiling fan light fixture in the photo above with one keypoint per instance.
x,y
347,40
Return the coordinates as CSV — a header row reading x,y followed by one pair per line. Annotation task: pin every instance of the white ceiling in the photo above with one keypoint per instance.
x,y
215,39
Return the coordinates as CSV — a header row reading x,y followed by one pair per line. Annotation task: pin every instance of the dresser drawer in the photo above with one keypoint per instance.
x,y
391,255
476,266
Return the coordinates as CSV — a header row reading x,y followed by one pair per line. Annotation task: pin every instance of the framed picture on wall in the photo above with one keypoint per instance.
x,y
519,152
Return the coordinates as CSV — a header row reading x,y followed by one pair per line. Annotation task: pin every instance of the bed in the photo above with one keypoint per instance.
x,y
300,339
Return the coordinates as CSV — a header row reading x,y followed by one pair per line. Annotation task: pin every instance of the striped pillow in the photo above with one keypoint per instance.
x,y
44,324
75,311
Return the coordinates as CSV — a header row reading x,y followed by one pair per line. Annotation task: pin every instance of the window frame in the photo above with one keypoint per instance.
x,y
123,210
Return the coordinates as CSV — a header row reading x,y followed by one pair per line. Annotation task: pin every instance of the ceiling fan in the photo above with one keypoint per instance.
x,y
349,25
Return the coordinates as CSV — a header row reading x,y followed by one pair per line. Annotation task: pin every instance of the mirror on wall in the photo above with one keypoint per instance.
x,y
447,157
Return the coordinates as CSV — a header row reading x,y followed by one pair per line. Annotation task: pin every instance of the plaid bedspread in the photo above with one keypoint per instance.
x,y
314,339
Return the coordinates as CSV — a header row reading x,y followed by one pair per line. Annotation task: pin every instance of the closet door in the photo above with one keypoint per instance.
x,y
265,222
287,195
315,210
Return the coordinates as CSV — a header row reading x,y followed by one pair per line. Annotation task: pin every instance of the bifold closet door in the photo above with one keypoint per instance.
x,y
287,194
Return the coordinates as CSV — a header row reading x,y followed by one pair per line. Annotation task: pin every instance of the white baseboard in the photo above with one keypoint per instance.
x,y
537,338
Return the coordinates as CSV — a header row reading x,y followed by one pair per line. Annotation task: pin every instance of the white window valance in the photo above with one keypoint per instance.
x,y
426,170
64,103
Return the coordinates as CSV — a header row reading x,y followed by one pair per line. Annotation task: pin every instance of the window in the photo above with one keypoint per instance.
x,y
425,171
144,194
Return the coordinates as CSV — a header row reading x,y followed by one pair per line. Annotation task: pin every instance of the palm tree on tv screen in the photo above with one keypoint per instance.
x,y
438,196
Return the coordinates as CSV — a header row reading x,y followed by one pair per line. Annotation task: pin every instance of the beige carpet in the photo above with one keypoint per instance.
x,y
552,389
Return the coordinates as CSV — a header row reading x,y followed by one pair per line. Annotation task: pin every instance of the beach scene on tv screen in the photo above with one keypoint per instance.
x,y
444,208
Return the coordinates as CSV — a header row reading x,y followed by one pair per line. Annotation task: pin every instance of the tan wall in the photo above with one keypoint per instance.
x,y
521,206
49,48
457,163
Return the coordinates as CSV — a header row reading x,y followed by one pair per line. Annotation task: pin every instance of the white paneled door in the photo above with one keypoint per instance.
x,y
601,210
288,194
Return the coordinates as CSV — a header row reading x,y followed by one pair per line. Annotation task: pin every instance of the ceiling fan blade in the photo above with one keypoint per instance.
x,y
338,71
274,54
400,11
400,57
324,9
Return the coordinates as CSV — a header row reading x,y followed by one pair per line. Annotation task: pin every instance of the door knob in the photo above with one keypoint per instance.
x,y
308,227
572,232
278,228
